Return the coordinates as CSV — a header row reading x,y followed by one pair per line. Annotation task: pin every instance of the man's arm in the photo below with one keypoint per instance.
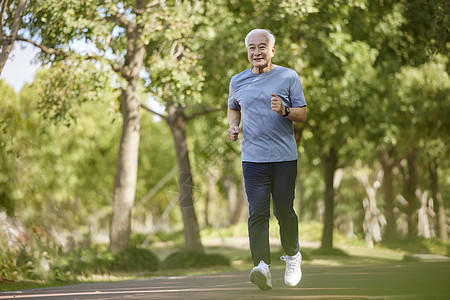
x,y
297,114
234,119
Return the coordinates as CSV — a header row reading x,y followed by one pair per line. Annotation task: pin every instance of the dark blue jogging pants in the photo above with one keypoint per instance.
x,y
261,181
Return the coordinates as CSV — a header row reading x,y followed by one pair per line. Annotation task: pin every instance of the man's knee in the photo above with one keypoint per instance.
x,y
286,216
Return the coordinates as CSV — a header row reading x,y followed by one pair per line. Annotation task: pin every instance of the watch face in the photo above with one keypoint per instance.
x,y
287,111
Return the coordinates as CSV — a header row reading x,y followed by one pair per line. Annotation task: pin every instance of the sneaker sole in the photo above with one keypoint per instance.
x,y
260,280
293,285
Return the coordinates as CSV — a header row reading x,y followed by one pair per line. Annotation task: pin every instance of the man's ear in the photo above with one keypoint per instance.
x,y
273,51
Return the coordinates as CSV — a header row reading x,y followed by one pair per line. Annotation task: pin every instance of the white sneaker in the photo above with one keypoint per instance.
x,y
293,272
260,275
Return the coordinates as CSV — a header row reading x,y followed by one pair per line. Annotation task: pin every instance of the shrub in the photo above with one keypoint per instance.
x,y
85,261
136,259
187,259
419,245
95,260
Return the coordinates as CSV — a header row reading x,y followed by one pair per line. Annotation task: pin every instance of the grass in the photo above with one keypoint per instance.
x,y
31,284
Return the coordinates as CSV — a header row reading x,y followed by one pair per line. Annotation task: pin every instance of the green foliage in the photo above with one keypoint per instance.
x,y
42,259
59,23
156,160
87,261
176,73
67,85
173,236
136,259
9,118
34,258
65,172
183,259
419,245
424,93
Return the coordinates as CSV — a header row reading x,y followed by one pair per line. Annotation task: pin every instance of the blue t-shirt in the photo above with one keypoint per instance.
x,y
267,136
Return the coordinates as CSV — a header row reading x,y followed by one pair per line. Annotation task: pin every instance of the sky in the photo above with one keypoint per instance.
x,y
21,67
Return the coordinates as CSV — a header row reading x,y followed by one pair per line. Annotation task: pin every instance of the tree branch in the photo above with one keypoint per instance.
x,y
43,48
2,17
206,110
151,5
115,67
118,18
18,18
153,112
177,50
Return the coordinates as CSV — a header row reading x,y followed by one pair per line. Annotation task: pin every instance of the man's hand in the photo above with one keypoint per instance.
x,y
277,105
233,133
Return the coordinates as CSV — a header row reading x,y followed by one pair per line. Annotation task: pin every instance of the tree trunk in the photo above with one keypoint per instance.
x,y
410,192
330,168
391,226
8,41
126,176
373,219
177,123
210,194
127,162
438,203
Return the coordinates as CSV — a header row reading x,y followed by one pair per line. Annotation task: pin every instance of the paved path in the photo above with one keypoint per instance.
x,y
418,280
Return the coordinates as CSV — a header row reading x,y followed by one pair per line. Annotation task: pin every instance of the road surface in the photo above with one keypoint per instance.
x,y
417,280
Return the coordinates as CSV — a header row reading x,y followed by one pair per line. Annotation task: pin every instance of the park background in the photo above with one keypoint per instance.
x,y
116,156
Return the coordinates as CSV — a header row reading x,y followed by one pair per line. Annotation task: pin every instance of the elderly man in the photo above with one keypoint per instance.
x,y
268,98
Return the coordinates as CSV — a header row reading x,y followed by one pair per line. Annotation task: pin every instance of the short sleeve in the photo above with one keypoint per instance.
x,y
232,101
296,91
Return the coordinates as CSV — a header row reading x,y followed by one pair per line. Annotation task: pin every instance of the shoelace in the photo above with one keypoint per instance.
x,y
263,264
290,263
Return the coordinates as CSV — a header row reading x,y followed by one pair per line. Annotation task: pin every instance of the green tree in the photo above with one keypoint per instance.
x,y
62,173
9,118
336,70
425,92
402,34
53,27
119,34
177,79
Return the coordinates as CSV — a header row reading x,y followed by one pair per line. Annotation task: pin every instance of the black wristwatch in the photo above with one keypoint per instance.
x,y
287,111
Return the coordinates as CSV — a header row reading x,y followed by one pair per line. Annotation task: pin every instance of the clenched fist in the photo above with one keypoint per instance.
x,y
277,105
233,133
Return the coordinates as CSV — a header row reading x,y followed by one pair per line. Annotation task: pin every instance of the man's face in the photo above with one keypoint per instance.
x,y
259,51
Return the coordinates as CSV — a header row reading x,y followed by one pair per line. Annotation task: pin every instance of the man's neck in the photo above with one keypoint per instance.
x,y
262,69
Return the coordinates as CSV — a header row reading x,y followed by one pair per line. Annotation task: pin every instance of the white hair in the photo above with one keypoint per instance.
x,y
267,32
